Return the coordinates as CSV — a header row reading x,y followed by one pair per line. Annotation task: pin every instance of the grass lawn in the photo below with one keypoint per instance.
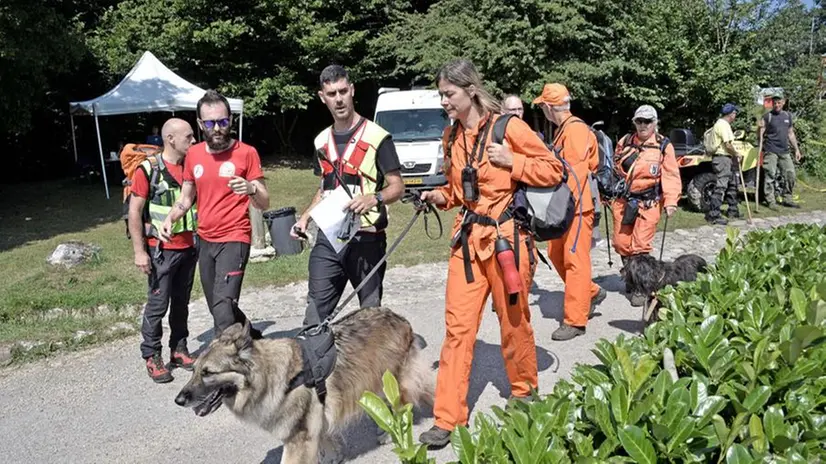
x,y
37,217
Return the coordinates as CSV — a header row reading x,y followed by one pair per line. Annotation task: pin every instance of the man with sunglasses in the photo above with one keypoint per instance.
x,y
225,176
361,154
646,161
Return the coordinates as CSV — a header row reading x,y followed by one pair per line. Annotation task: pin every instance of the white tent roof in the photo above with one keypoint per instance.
x,y
150,86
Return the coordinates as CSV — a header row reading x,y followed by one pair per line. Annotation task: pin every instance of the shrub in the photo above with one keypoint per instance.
x,y
734,371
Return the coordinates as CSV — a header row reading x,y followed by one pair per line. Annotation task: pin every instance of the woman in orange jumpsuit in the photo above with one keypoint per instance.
x,y
482,177
647,162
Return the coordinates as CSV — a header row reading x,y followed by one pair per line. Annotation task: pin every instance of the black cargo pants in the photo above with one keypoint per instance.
x,y
170,286
222,267
330,272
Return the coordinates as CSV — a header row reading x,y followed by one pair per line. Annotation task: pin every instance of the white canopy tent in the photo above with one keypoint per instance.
x,y
149,87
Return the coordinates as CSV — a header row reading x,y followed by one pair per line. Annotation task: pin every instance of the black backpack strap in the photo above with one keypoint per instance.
x,y
499,126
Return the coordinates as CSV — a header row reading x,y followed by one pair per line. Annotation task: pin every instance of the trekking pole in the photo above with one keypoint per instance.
x,y
607,236
757,178
743,181
662,244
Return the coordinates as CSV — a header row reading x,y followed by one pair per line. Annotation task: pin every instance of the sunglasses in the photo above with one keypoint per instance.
x,y
643,122
210,124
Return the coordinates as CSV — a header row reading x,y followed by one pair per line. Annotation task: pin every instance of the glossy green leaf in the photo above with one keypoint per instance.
x,y
637,445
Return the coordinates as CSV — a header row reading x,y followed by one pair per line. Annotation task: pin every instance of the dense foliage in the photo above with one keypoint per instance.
x,y
686,57
734,371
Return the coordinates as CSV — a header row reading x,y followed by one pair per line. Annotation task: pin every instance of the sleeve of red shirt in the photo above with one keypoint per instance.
x,y
140,184
188,175
254,171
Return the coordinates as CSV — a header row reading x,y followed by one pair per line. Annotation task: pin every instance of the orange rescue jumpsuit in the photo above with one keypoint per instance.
x,y
533,164
652,168
579,149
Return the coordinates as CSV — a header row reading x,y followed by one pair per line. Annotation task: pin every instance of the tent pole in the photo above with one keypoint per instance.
x,y
74,141
100,148
241,126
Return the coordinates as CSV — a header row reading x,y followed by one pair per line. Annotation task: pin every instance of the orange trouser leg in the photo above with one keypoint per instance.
x,y
518,344
575,269
622,233
644,230
635,239
463,314
464,304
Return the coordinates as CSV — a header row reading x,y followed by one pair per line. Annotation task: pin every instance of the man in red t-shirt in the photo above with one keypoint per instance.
x,y
171,266
224,175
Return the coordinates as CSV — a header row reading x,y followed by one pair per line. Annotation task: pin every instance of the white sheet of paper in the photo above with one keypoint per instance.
x,y
329,215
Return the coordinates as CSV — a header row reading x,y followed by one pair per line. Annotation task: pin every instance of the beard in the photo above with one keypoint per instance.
x,y
218,141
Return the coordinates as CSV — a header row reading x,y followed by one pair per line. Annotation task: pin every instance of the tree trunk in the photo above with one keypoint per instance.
x,y
258,228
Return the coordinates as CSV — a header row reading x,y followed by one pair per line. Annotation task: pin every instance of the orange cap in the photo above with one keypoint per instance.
x,y
554,94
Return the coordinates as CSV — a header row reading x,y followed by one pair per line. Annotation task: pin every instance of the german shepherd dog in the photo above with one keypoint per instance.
x,y
250,377
645,274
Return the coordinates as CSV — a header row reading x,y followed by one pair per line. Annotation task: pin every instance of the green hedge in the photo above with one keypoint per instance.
x,y
745,375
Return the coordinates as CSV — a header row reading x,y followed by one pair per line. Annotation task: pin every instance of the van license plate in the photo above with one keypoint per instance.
x,y
413,181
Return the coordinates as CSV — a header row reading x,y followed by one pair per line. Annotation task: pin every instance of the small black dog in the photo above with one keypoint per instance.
x,y
645,274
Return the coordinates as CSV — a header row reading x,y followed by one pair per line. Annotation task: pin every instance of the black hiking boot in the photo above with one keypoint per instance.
x,y
566,332
157,369
733,213
790,204
435,437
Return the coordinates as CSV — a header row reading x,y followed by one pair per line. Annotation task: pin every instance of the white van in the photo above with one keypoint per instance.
x,y
416,120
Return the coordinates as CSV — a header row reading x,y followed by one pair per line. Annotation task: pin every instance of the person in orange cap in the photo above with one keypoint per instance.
x,y
570,254
482,179
646,161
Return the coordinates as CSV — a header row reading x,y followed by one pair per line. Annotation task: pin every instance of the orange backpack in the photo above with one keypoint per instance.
x,y
131,157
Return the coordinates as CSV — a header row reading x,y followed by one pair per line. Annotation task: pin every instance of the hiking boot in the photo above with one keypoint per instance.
x,y
566,332
733,214
181,358
790,204
157,370
435,437
717,221
772,206
595,301
637,300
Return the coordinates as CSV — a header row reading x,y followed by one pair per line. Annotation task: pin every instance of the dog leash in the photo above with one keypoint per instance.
x,y
420,207
665,229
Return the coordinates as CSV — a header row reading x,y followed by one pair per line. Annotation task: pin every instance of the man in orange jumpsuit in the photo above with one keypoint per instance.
x,y
571,253
482,178
647,162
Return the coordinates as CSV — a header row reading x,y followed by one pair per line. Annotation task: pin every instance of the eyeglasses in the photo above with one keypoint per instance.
x,y
643,122
210,124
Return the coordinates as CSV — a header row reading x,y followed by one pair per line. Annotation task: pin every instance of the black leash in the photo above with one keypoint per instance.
x,y
607,235
420,207
662,245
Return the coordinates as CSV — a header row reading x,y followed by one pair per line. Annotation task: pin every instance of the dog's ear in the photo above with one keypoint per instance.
x,y
244,339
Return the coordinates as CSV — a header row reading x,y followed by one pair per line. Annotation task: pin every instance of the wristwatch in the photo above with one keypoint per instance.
x,y
254,190
379,199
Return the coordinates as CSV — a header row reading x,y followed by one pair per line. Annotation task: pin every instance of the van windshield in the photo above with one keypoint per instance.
x,y
413,124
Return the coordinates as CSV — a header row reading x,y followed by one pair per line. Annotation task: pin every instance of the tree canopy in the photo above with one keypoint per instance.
x,y
685,57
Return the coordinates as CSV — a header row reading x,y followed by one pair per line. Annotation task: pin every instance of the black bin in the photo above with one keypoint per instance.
x,y
281,221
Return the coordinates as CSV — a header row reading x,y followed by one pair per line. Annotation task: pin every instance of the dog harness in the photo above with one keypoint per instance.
x,y
318,353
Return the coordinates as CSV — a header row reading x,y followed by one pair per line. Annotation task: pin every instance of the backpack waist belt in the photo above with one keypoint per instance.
x,y
463,233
